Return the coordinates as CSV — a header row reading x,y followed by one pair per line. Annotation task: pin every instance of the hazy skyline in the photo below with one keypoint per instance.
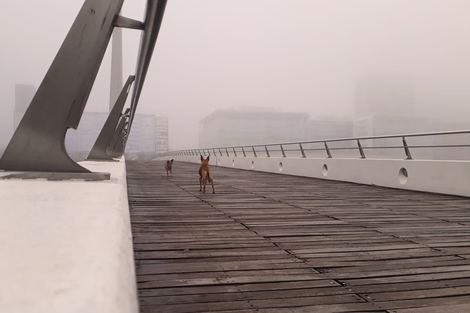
x,y
296,55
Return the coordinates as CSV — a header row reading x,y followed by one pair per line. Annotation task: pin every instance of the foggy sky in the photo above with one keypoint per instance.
x,y
295,55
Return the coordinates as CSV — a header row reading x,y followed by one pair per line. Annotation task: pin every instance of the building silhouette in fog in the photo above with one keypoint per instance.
x,y
246,125
24,93
384,94
161,135
385,105
330,129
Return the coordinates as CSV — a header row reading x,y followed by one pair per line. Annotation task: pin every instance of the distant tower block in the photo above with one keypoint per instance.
x,y
116,67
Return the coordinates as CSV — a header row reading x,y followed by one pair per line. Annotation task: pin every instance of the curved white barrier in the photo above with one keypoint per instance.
x,y
66,246
446,177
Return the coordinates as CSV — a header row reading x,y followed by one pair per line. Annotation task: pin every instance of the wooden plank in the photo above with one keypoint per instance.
x,y
183,295
455,308
291,286
307,245
416,294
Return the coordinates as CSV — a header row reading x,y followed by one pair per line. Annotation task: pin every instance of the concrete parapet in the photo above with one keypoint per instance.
x,y
66,246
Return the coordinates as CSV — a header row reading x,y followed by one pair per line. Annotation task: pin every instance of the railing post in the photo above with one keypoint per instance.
x,y
407,150
267,152
283,153
327,151
226,151
302,150
220,152
234,152
361,151
244,154
254,152
208,152
215,154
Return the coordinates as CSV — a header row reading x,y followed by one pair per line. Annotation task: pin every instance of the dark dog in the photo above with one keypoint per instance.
x,y
169,167
205,174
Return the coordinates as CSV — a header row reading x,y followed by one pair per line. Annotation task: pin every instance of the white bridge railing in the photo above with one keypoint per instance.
x,y
434,162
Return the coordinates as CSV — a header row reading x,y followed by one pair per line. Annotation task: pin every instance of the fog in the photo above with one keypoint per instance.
x,y
295,56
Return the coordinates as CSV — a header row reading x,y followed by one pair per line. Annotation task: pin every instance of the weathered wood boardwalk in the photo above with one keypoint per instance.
x,y
276,243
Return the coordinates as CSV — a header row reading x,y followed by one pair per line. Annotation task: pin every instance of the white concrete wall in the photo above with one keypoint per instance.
x,y
66,246
446,177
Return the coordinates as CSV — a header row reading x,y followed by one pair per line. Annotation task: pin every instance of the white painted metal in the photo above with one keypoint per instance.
x,y
446,177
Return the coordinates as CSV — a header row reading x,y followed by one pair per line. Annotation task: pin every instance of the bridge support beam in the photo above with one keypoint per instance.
x,y
39,141
153,20
98,152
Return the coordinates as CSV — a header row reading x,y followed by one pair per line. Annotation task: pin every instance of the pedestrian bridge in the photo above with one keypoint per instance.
x,y
270,242
286,231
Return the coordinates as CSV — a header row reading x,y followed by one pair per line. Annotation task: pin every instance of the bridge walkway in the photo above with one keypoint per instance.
x,y
277,243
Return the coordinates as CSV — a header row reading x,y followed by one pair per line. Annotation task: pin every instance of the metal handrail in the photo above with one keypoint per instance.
x,y
356,140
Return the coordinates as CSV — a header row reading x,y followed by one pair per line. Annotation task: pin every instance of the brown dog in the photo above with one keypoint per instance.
x,y
205,174
169,167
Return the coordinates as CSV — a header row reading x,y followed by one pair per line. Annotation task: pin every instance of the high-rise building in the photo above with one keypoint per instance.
x,y
330,129
142,139
384,94
385,105
161,129
251,125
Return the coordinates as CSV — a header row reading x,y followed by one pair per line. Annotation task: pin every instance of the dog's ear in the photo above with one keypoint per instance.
x,y
172,160
202,159
207,158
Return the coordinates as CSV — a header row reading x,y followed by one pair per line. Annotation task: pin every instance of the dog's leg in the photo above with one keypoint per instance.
x,y
200,183
171,172
166,173
212,181
204,181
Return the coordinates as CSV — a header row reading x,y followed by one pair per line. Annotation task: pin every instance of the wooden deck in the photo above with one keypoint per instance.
x,y
276,243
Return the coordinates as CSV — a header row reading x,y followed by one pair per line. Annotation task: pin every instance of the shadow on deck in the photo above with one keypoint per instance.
x,y
276,243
